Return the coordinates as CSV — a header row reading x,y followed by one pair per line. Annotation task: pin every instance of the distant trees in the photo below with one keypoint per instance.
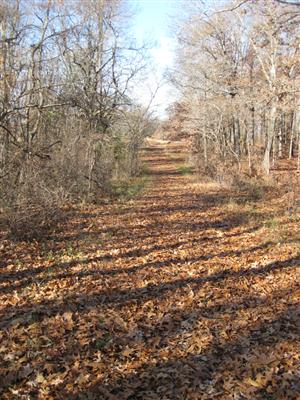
x,y
175,124
67,70
238,75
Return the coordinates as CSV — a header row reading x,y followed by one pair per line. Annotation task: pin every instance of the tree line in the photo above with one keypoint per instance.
x,y
237,75
70,129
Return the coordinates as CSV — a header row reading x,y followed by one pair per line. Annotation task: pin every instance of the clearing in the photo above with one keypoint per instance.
x,y
189,291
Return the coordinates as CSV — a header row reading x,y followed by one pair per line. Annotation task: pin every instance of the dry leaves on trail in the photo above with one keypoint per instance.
x,y
183,293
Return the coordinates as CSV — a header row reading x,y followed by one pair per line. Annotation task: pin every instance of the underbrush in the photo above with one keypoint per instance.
x,y
265,202
125,190
34,197
283,227
253,189
245,213
276,213
277,225
38,210
33,223
34,210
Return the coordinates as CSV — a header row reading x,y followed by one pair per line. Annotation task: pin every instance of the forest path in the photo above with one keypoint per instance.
x,y
183,293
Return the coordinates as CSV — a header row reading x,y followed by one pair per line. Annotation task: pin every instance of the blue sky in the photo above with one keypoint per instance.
x,y
152,17
152,24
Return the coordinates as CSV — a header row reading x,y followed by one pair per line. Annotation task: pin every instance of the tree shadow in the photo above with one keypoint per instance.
x,y
81,302
187,374
180,225
178,322
28,277
204,374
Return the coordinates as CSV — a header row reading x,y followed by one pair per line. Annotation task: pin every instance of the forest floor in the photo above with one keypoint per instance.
x,y
189,291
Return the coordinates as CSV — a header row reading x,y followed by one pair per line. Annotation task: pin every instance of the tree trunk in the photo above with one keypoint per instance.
x,y
269,139
292,134
281,129
205,149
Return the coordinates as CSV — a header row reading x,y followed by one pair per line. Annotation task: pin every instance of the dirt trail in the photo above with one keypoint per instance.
x,y
182,293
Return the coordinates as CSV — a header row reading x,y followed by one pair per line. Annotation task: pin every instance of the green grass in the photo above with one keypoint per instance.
x,y
127,190
294,216
185,170
145,170
272,224
281,232
245,213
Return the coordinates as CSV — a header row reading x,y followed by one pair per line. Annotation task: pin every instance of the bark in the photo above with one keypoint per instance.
x,y
269,139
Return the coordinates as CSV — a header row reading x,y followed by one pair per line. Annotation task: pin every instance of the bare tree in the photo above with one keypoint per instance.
x,y
237,74
67,70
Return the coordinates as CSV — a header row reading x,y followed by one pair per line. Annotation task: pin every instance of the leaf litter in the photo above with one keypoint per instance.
x,y
174,295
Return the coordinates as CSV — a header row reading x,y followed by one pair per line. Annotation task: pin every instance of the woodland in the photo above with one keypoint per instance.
x,y
141,257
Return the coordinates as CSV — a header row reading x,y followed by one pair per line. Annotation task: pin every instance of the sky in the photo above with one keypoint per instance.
x,y
151,23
